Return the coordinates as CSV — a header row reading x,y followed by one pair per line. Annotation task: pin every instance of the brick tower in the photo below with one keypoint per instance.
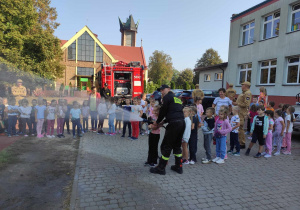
x,y
128,30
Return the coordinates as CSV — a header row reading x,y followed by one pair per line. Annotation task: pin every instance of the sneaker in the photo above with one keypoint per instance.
x,y
62,135
108,133
287,153
120,131
215,159
25,135
247,152
249,137
263,153
82,132
146,163
80,135
16,135
129,137
247,133
9,136
229,152
112,134
74,137
267,156
152,165
277,153
226,157
53,136
142,134
49,136
123,136
40,136
32,134
186,162
134,138
69,132
206,161
94,131
220,161
203,158
191,162
236,154
258,155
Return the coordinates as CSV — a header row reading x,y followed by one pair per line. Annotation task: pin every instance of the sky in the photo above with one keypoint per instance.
x,y
183,29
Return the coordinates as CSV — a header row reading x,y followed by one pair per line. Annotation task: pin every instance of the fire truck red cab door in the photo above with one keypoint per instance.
x,y
137,82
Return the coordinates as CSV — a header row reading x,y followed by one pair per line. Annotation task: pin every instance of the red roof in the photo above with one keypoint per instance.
x,y
62,42
127,54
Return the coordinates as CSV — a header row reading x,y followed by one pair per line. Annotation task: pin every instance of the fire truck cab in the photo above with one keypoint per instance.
x,y
123,79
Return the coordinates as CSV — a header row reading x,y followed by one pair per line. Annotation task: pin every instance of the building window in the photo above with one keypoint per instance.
x,y
218,76
206,77
72,51
99,54
248,33
293,70
268,72
245,72
82,71
85,48
295,17
271,25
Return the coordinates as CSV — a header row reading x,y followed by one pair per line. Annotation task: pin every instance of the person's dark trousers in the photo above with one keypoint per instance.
x,y
85,122
76,122
234,141
6,124
153,148
248,125
67,123
193,147
172,141
128,124
33,125
20,124
101,121
94,119
207,145
28,122
45,125
12,121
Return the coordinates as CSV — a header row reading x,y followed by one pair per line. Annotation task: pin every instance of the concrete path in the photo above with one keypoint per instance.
x,y
110,175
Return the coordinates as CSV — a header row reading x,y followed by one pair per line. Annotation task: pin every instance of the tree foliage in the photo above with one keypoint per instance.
x,y
186,76
160,67
26,39
209,58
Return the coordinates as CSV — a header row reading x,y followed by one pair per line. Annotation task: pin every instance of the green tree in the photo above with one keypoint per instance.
x,y
173,85
187,86
160,67
27,40
209,58
185,76
175,76
192,86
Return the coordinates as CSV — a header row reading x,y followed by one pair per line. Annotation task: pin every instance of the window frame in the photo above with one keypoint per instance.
x,y
287,70
216,76
246,72
248,29
270,21
86,48
73,53
85,68
269,67
207,78
291,16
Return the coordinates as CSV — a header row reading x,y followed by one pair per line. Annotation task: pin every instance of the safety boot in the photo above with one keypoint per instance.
x,y
160,169
178,165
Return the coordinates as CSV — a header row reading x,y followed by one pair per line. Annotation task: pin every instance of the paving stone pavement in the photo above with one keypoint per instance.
x,y
110,175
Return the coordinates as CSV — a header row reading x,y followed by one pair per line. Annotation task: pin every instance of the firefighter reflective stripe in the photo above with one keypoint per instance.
x,y
178,155
177,100
165,158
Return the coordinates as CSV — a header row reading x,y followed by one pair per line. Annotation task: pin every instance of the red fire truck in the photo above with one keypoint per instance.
x,y
123,79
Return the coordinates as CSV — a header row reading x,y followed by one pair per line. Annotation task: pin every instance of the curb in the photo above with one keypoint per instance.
x,y
75,180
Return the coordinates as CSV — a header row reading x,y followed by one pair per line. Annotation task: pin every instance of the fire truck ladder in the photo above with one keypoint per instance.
x,y
109,81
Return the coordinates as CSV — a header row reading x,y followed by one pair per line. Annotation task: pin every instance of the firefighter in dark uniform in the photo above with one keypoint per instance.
x,y
105,92
171,112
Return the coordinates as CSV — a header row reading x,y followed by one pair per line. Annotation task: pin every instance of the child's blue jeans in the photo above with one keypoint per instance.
x,y
111,123
221,147
12,121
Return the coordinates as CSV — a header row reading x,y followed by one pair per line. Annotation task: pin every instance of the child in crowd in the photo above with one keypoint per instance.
x,y
199,106
137,112
254,101
270,106
25,112
51,118
251,114
142,104
40,110
259,131
126,118
119,113
268,144
45,126
75,113
279,131
102,112
67,117
263,96
32,116
261,103
289,119
111,117
280,106
234,134
284,114
85,110
208,130
61,114
153,140
12,113
186,135
222,128
194,136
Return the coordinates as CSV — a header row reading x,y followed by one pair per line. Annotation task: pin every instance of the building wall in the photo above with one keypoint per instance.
x,y
286,44
212,84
